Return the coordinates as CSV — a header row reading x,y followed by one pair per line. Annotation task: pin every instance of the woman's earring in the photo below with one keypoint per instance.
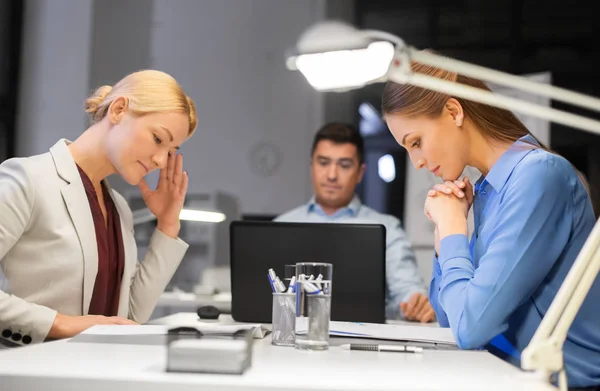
x,y
459,121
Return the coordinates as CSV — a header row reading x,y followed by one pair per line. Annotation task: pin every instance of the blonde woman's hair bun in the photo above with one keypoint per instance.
x,y
147,91
94,101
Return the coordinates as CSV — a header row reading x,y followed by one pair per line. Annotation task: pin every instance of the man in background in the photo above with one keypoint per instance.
x,y
337,166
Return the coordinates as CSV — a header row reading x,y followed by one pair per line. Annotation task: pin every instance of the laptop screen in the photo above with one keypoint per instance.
x,y
357,252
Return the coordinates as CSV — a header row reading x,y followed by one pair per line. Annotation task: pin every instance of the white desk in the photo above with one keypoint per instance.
x,y
64,365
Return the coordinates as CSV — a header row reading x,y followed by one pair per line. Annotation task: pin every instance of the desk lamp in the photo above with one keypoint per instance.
x,y
335,56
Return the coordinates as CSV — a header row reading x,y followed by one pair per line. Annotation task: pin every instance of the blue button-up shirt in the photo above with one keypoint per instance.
x,y
532,217
402,274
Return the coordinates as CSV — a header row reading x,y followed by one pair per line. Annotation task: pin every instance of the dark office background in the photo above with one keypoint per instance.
x,y
11,21
510,35
514,36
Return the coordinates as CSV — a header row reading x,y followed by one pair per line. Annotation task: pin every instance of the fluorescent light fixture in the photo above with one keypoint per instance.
x,y
387,168
201,215
336,56
204,216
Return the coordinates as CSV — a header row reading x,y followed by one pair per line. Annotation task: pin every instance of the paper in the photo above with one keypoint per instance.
x,y
438,335
259,330
114,329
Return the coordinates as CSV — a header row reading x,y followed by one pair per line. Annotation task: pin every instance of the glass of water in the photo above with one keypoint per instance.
x,y
313,305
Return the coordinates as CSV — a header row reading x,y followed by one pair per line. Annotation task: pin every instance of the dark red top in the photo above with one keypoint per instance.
x,y
111,256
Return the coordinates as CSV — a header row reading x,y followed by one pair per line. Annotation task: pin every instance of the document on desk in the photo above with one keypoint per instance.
x,y
103,330
392,332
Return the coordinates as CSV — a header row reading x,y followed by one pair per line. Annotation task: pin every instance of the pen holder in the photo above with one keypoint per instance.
x,y
284,319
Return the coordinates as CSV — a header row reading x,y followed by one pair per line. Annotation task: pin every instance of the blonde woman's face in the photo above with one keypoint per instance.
x,y
139,145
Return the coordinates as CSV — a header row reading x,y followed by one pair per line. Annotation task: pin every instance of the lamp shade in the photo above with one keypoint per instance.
x,y
334,56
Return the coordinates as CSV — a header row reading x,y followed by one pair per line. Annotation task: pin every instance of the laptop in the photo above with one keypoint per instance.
x,y
356,251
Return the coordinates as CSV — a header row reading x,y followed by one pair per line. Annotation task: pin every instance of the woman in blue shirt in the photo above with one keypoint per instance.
x,y
532,216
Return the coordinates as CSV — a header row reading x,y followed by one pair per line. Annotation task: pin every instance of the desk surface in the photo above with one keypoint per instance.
x,y
79,366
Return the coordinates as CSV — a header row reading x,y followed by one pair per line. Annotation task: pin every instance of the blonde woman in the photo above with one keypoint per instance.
x,y
67,247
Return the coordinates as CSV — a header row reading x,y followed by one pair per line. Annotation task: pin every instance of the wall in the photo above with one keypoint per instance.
x,y
256,118
55,65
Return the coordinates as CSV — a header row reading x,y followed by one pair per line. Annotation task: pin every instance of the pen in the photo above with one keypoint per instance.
x,y
382,348
312,289
272,276
308,286
292,286
278,285
319,278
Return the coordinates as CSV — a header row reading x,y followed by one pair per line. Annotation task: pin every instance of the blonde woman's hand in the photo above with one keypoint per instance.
x,y
66,326
167,200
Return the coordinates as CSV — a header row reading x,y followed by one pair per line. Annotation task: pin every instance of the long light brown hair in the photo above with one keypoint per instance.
x,y
494,123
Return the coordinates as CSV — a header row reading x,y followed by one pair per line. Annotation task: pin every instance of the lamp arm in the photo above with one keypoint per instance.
x,y
544,353
400,74
582,288
506,79
572,292
487,74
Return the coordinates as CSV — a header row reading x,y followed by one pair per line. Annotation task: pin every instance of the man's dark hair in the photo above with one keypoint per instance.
x,y
340,133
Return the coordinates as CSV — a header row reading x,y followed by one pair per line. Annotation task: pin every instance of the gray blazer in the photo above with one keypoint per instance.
x,y
48,249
